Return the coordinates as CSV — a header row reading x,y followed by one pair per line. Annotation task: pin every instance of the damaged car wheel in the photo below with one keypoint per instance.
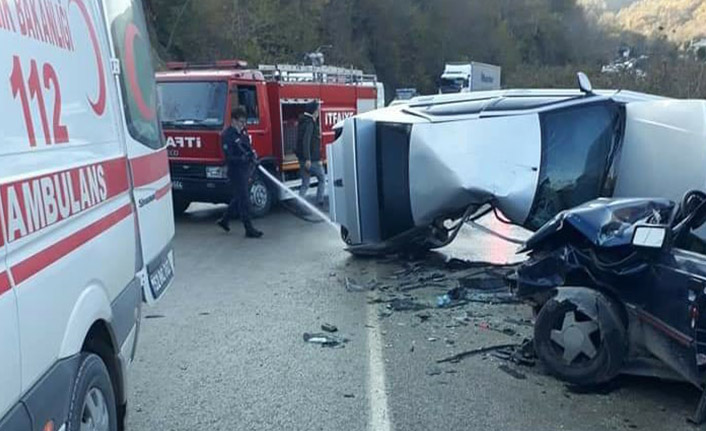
x,y
580,336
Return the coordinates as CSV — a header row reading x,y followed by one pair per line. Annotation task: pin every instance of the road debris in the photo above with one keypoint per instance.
x,y
424,316
521,355
443,301
405,305
519,322
353,286
512,372
325,340
489,280
434,371
463,355
327,327
606,388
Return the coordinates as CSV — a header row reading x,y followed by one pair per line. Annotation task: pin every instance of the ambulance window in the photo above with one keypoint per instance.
x,y
246,96
131,41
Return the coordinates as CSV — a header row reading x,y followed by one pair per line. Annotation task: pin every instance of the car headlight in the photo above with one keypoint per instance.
x,y
217,172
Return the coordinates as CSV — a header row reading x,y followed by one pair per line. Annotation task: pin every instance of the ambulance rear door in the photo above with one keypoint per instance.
x,y
149,165
9,339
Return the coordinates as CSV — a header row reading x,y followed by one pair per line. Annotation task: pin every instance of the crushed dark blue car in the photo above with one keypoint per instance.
x,y
619,286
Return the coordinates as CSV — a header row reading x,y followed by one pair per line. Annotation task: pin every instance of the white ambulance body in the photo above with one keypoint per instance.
x,y
85,209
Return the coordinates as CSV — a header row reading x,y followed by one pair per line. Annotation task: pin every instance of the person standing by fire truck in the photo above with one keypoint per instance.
x,y
309,151
242,160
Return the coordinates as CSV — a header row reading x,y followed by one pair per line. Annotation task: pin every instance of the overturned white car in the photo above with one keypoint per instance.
x,y
408,176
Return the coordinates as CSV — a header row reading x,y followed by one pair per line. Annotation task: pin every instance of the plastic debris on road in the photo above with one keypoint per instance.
x,y
327,327
324,340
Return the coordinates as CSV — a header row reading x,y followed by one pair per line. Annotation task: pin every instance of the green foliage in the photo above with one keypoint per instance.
x,y
405,42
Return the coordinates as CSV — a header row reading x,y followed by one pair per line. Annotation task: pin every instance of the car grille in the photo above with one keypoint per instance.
x,y
179,170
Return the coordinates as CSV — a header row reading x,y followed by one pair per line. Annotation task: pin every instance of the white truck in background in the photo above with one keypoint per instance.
x,y
467,77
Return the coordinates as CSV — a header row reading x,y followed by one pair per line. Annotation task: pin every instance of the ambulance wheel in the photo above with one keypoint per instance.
x,y
93,404
579,345
262,197
180,205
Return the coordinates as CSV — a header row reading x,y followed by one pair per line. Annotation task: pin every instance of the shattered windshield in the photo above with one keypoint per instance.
x,y
578,149
193,104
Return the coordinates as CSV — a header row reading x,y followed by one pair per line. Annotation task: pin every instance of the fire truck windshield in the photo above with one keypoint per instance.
x,y
187,105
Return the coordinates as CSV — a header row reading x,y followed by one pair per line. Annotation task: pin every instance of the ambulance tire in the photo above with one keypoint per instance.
x,y
262,196
92,397
180,205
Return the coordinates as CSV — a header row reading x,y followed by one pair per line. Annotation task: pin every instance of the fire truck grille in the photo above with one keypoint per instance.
x,y
179,170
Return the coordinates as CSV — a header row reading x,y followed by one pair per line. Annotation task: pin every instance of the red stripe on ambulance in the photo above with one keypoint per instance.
x,y
35,264
150,168
4,283
35,203
162,192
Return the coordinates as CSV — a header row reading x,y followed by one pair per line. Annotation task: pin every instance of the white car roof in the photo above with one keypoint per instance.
x,y
619,95
451,107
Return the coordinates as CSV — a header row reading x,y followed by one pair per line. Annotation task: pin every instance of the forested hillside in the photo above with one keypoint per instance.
x,y
406,42
677,20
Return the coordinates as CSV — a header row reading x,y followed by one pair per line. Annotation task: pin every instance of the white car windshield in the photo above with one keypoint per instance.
x,y
578,148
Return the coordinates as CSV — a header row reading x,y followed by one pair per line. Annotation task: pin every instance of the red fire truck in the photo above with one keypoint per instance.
x,y
196,101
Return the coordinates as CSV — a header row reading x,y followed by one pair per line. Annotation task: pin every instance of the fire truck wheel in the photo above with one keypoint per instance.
x,y
92,398
180,205
261,197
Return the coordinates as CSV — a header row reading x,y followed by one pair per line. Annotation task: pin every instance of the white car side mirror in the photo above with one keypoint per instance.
x,y
584,83
650,236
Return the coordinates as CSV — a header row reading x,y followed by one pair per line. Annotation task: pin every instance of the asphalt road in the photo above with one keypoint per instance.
x,y
224,349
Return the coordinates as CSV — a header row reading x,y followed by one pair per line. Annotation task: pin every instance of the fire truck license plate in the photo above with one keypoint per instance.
x,y
161,276
177,185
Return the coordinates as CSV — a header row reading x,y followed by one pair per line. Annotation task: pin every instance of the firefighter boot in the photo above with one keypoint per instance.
x,y
250,231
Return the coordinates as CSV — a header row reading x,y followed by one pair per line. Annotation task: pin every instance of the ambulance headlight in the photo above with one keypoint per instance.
x,y
217,172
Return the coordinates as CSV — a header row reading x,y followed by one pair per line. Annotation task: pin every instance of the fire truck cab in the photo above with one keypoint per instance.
x,y
196,101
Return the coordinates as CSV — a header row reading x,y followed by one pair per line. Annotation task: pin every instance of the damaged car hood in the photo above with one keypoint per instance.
x,y
606,222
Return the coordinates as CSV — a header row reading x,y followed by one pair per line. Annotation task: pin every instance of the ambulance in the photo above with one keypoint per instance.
x,y
85,209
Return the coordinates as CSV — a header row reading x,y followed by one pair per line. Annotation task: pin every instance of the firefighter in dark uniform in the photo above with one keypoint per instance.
x,y
242,160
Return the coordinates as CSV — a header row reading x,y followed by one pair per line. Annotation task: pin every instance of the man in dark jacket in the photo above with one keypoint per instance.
x,y
241,160
309,151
